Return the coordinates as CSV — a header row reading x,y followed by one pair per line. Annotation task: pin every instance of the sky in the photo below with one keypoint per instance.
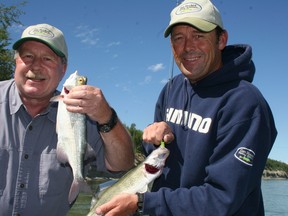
x,y
120,47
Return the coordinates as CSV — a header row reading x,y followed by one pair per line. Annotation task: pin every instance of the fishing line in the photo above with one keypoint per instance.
x,y
171,69
171,74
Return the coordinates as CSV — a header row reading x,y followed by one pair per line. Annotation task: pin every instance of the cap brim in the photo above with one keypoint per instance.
x,y
200,24
18,43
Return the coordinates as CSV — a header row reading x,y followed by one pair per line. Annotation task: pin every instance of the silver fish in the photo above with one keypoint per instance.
x,y
71,130
136,180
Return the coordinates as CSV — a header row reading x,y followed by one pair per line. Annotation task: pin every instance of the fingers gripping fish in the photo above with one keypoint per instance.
x,y
136,180
71,130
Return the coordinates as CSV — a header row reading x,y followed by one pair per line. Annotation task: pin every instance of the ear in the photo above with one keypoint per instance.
x,y
223,40
64,70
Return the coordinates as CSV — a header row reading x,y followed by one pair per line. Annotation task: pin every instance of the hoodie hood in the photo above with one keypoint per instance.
x,y
237,65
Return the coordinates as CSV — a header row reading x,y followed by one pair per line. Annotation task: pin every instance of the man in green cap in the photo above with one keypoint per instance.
x,y
32,180
216,123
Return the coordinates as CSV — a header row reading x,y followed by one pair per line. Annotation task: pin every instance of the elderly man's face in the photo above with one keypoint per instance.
x,y
38,71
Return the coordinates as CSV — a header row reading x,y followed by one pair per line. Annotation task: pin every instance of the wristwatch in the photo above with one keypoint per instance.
x,y
105,128
139,211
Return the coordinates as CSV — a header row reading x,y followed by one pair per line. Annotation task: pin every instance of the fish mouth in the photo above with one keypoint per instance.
x,y
66,90
151,169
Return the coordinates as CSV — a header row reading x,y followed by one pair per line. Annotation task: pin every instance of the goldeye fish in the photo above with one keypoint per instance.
x,y
71,130
136,180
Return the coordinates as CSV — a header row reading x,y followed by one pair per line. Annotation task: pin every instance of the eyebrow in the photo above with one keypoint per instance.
x,y
194,30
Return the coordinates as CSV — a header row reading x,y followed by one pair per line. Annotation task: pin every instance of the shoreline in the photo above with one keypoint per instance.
x,y
272,178
275,174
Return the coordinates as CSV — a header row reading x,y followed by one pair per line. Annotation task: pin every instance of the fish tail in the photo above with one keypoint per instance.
x,y
77,187
74,191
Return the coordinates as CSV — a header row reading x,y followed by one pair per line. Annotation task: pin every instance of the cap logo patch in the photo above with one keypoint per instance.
x,y
245,155
189,8
41,32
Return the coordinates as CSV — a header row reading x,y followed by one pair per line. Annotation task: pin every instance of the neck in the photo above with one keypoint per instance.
x,y
35,106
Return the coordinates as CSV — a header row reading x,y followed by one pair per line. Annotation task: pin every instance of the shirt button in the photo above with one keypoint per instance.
x,y
26,156
22,185
30,127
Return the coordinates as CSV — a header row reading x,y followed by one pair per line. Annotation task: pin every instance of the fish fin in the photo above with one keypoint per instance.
x,y
78,186
74,191
101,188
95,197
61,155
144,189
107,184
57,98
93,202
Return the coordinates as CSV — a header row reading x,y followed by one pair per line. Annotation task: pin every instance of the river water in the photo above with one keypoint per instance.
x,y
275,195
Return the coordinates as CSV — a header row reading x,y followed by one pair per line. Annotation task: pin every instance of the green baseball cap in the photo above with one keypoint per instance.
x,y
47,34
201,14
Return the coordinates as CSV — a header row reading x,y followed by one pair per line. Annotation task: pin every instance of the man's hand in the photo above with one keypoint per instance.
x,y
120,205
89,100
157,132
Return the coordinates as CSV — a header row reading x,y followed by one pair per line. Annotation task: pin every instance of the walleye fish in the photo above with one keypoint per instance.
x,y
136,180
71,130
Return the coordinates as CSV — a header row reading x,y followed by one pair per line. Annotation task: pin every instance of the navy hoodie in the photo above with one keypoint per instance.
x,y
224,131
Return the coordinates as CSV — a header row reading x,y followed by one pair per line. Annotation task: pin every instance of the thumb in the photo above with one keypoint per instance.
x,y
168,137
98,211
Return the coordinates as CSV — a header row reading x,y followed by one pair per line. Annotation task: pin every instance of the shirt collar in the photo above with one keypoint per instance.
x,y
15,103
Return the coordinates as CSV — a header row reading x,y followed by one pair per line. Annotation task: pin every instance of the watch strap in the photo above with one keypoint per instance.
x,y
139,211
105,128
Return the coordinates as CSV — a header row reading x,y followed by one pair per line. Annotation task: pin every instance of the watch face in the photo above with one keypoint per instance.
x,y
105,128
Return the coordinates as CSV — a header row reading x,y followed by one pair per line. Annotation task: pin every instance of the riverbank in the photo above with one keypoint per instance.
x,y
275,170
274,174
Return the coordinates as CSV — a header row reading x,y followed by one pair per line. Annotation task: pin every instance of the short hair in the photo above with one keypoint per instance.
x,y
219,31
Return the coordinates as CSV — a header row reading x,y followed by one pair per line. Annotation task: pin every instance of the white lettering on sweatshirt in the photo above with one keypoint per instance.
x,y
191,120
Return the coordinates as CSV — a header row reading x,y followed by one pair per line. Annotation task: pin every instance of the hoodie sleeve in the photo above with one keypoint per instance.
x,y
243,139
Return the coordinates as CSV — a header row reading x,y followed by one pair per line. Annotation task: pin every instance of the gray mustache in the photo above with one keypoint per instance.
x,y
31,75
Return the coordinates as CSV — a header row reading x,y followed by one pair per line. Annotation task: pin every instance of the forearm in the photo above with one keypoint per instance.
x,y
119,152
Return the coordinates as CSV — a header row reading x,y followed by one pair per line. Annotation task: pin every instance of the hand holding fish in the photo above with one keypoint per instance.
x,y
157,132
123,204
89,100
75,102
121,198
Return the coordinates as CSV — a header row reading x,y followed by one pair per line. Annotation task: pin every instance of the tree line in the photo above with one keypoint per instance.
x,y
276,165
9,16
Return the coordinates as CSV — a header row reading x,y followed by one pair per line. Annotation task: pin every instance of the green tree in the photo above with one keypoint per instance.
x,y
9,15
276,165
136,137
